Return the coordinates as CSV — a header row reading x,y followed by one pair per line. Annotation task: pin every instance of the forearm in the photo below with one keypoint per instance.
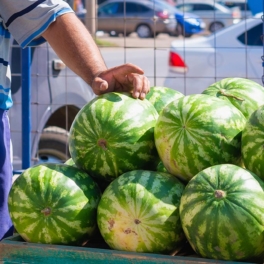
x,y
75,46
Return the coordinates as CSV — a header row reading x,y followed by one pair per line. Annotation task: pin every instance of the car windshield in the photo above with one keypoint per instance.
x,y
222,8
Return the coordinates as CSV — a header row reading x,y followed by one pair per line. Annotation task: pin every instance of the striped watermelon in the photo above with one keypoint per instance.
x,y
100,182
197,131
222,213
161,96
113,134
161,167
252,143
139,212
246,95
70,162
54,204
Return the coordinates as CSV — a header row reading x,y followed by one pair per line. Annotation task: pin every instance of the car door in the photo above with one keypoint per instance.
x,y
137,14
241,57
111,17
251,38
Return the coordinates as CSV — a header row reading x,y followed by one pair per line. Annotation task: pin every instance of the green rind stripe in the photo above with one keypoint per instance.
x,y
161,96
198,131
246,95
230,228
253,142
71,195
149,197
127,127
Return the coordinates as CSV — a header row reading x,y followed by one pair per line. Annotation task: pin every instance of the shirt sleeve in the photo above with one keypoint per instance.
x,y
27,20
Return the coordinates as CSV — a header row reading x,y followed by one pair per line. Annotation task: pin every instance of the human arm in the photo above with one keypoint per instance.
x,y
75,46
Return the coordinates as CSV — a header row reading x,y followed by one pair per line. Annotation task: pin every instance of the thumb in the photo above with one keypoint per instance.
x,y
99,85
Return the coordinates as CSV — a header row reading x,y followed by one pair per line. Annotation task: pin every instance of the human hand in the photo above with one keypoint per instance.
x,y
124,78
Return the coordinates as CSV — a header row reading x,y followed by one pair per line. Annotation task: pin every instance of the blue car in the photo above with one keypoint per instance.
x,y
187,23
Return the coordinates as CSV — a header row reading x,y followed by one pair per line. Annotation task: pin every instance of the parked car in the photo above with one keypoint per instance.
x,y
187,23
215,15
140,16
241,4
232,52
57,94
100,1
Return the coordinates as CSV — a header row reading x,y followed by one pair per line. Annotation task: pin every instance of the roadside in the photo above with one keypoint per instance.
x,y
133,41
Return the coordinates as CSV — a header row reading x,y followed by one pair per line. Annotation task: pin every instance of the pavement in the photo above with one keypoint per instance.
x,y
162,40
133,41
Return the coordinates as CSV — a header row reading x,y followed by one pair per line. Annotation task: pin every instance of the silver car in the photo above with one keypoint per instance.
x,y
140,16
57,94
215,15
241,4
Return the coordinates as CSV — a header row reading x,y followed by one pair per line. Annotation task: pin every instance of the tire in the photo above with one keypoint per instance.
x,y
144,31
113,34
215,26
181,31
53,146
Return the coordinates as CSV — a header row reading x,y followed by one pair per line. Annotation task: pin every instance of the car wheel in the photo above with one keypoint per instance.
x,y
144,31
53,146
113,34
181,31
215,26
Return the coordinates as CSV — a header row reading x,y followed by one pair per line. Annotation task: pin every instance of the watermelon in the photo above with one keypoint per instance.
x,y
101,183
70,162
54,204
252,143
161,167
161,96
246,95
113,134
139,212
222,213
198,131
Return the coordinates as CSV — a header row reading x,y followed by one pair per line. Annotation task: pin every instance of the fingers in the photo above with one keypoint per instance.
x,y
123,78
140,85
127,68
99,86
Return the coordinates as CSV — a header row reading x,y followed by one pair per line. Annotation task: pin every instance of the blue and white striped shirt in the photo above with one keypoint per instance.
x,y
26,20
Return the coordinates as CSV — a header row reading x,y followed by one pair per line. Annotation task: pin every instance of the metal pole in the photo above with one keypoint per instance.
x,y
26,102
90,16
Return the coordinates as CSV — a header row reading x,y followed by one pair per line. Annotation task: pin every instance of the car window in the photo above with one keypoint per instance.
x,y
185,8
243,6
203,7
112,9
252,36
131,8
221,7
136,8
143,9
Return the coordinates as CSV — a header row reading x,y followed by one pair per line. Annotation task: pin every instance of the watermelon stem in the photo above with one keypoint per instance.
x,y
46,211
137,221
102,143
222,92
219,194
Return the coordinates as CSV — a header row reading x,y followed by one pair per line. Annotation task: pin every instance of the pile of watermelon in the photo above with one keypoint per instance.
x,y
154,175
